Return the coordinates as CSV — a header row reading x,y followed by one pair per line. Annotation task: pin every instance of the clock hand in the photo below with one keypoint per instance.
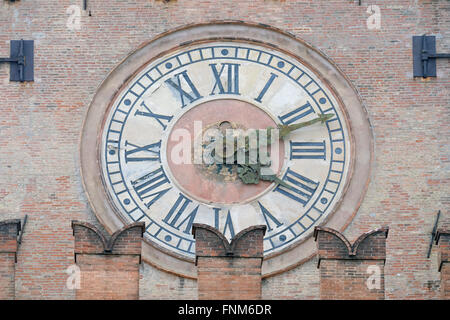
x,y
286,129
251,173
273,177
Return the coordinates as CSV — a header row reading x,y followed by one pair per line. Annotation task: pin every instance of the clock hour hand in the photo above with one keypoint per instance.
x,y
274,178
251,174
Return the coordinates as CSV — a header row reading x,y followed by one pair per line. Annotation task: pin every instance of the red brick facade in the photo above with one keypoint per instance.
x,y
9,230
351,271
443,240
109,269
41,121
228,270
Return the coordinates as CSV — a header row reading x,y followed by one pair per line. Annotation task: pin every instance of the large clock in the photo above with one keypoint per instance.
x,y
151,124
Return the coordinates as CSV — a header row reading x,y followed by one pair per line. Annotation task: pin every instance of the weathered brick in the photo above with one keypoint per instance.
x,y
9,230
443,240
351,271
40,125
228,270
109,267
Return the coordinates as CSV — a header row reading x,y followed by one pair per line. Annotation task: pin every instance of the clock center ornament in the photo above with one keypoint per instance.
x,y
213,124
197,151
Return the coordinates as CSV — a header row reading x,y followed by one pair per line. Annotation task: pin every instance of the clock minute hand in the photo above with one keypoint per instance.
x,y
286,129
251,173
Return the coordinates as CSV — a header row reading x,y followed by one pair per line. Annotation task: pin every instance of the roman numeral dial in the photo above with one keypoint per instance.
x,y
148,152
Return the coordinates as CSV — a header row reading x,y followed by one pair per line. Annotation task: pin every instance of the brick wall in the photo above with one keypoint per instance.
x,y
351,271
228,270
443,240
157,284
9,230
41,122
109,268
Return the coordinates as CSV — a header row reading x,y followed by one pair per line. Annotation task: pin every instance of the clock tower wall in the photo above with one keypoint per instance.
x,y
351,271
443,241
41,124
107,267
9,231
228,271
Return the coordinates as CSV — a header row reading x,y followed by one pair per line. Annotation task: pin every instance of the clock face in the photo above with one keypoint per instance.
x,y
163,121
